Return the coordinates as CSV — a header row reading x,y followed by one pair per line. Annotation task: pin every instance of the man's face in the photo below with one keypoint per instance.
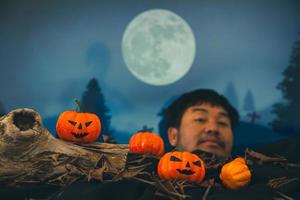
x,y
204,127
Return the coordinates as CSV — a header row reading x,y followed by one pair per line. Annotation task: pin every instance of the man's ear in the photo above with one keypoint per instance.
x,y
173,136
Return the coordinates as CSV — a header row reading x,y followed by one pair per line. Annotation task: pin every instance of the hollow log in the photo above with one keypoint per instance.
x,y
30,154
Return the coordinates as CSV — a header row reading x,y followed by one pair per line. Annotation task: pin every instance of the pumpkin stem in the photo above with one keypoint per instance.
x,y
79,107
146,129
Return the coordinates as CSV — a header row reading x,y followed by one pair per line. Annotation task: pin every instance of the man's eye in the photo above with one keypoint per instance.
x,y
224,124
200,120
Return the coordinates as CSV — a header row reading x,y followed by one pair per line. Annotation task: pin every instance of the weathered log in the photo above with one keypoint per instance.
x,y
30,154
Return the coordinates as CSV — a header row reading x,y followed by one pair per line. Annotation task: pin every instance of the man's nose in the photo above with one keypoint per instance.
x,y
211,127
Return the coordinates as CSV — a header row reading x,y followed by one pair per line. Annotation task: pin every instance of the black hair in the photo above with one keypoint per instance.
x,y
173,113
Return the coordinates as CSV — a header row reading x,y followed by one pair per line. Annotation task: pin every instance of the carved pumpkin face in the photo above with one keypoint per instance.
x,y
181,166
78,127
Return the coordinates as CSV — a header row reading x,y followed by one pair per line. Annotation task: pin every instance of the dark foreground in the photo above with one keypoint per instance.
x,y
131,189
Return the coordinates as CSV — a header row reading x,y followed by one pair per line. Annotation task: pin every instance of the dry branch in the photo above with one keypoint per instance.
x,y
30,154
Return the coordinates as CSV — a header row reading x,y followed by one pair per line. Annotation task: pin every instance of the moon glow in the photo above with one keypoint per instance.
x,y
158,47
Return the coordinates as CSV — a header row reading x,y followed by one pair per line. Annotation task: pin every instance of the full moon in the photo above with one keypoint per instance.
x,y
158,47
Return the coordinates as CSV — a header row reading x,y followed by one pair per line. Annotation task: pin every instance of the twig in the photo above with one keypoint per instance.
x,y
181,185
279,182
174,193
144,180
263,157
206,192
285,197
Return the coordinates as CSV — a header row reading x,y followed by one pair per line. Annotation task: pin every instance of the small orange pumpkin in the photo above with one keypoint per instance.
x,y
178,165
77,126
235,174
145,141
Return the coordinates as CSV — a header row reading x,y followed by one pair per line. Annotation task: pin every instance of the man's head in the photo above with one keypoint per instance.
x,y
202,119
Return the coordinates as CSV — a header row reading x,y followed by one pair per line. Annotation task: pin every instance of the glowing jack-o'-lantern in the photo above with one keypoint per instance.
x,y
78,126
178,165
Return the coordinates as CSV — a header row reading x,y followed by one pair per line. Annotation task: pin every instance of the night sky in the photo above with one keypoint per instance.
x,y
51,49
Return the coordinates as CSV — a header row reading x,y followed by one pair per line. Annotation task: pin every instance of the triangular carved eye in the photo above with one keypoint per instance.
x,y
88,123
72,122
197,163
174,158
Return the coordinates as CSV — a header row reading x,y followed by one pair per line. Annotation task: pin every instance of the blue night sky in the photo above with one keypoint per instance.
x,y
51,49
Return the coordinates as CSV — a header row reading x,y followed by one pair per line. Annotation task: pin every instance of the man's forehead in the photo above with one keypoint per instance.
x,y
207,108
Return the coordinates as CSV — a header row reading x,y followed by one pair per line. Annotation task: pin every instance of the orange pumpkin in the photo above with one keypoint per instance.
x,y
78,126
235,174
178,165
145,141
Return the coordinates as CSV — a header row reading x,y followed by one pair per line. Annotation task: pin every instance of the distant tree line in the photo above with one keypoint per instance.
x,y
287,118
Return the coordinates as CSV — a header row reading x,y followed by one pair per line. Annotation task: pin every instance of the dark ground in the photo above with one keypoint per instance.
x,y
128,189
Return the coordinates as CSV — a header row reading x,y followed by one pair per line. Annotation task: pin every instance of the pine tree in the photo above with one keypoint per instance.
x,y
287,113
249,105
93,101
230,94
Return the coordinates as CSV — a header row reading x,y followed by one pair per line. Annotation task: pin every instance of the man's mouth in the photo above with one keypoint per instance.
x,y
212,143
79,135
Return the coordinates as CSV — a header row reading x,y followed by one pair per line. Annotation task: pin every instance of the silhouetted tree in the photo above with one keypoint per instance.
x,y
93,101
249,105
230,94
287,113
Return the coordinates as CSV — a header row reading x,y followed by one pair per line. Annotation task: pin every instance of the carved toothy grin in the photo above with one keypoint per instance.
x,y
186,171
79,135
